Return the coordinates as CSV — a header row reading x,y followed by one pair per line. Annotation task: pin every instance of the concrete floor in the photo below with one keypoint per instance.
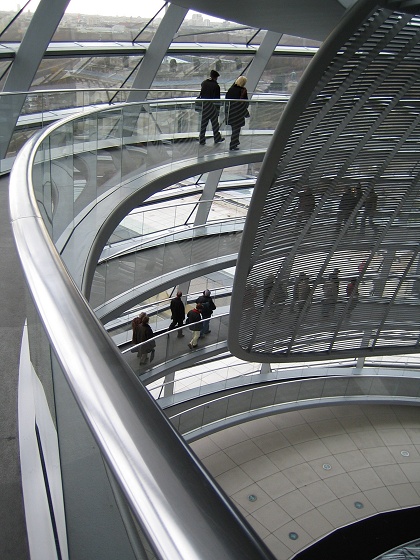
x,y
13,540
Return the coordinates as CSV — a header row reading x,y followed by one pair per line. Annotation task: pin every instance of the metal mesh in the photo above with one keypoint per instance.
x,y
353,126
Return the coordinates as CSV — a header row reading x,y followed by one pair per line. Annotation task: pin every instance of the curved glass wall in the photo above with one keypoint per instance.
x,y
408,551
135,482
14,22
72,187
99,23
93,72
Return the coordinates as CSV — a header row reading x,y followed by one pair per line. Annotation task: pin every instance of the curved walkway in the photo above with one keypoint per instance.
x,y
81,249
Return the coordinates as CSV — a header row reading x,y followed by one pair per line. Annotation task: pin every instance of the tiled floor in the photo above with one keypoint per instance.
x,y
312,471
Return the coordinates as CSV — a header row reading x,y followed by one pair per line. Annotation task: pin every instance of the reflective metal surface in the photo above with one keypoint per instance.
x,y
336,204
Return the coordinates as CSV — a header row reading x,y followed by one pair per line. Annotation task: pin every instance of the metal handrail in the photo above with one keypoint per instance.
x,y
156,471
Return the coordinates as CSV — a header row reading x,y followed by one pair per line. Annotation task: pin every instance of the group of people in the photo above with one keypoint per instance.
x,y
331,290
276,292
236,108
197,319
204,307
350,199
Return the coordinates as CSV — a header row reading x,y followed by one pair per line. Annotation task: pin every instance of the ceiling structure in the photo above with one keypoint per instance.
x,y
313,19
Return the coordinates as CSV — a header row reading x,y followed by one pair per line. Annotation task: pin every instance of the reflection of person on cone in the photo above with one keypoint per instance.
x,y
369,213
301,291
330,289
352,292
306,205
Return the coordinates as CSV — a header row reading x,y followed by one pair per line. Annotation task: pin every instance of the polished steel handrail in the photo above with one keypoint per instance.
x,y
182,511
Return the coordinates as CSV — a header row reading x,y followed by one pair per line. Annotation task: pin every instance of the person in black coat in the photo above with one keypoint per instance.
x,y
207,308
370,205
347,204
210,89
145,334
236,111
178,313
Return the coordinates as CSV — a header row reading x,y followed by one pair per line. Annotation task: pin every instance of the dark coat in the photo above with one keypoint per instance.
x,y
145,332
210,89
208,306
306,201
193,317
135,324
371,203
177,309
347,202
236,110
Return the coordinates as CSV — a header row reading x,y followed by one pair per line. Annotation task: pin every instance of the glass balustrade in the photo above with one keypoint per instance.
x,y
82,170
90,165
110,434
89,488
271,397
407,551
161,257
172,345
178,209
200,379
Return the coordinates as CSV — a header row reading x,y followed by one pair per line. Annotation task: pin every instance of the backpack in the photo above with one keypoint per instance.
x,y
209,306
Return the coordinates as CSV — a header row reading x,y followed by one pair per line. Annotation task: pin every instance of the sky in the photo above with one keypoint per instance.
x,y
143,8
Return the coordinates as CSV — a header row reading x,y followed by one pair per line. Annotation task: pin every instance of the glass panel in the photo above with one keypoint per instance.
x,y
18,28
290,40
19,138
182,69
84,72
5,66
93,154
103,521
200,28
282,74
117,22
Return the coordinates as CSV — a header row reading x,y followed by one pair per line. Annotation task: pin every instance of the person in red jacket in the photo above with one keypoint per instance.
x,y
352,292
193,318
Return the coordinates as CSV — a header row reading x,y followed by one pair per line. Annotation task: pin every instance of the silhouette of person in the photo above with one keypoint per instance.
x,y
193,317
306,205
330,289
352,292
210,89
347,204
301,291
369,212
178,313
236,111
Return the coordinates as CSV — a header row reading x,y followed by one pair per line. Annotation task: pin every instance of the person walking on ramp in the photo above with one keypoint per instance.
x,y
193,320
210,89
